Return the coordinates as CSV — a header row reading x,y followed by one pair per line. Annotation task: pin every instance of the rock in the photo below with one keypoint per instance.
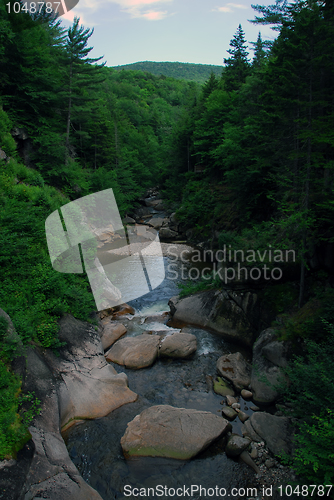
x,y
221,387
157,318
224,312
111,332
243,416
254,408
276,431
3,155
236,406
75,385
246,394
236,445
122,310
178,345
263,369
269,463
248,431
165,431
128,220
235,368
230,400
135,352
253,453
156,222
229,413
167,234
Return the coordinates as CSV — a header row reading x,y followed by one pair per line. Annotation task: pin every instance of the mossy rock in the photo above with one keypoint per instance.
x,y
222,388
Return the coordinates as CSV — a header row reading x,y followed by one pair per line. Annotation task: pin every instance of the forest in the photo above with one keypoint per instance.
x,y
245,159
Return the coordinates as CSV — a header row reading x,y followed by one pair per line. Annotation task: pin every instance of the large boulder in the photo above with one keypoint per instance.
x,y
165,431
234,316
178,345
275,431
90,387
235,368
269,357
135,352
111,332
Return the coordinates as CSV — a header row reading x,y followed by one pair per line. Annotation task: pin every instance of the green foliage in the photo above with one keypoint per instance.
x,y
314,456
184,71
14,421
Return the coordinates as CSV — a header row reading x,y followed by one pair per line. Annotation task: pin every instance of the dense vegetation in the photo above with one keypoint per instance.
x,y
184,71
247,159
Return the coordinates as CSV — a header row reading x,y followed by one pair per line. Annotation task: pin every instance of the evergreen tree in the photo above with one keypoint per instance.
x,y
259,52
237,66
82,75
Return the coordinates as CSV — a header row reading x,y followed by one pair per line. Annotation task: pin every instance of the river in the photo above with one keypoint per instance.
x,y
94,446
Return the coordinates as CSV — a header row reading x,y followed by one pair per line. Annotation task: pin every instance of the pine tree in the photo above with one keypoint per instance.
x,y
259,52
82,75
237,66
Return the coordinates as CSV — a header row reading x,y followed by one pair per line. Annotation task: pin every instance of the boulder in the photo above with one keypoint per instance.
x,y
235,368
267,376
234,316
248,431
135,352
156,222
167,234
121,310
165,431
111,332
275,431
236,445
178,345
90,386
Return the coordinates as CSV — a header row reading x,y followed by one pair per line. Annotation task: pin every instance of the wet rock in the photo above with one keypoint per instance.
x,y
230,400
236,445
121,310
254,408
235,406
246,394
243,416
235,368
128,220
165,431
178,345
221,387
111,332
135,352
229,413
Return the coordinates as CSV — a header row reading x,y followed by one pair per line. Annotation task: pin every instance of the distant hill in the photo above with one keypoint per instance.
x,y
181,71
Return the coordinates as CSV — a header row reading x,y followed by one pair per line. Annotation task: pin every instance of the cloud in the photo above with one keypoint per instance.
x,y
154,15
230,7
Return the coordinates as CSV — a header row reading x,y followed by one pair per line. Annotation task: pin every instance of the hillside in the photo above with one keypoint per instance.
x,y
182,71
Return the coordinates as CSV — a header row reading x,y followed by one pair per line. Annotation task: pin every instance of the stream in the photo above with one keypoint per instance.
x,y
94,446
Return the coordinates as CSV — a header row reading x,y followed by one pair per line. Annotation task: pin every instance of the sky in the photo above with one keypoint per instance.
x,y
193,31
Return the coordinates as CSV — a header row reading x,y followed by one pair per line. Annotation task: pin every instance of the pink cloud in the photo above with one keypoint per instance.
x,y
154,16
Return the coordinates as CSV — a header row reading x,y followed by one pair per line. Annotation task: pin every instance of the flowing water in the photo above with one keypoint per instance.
x,y
94,446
